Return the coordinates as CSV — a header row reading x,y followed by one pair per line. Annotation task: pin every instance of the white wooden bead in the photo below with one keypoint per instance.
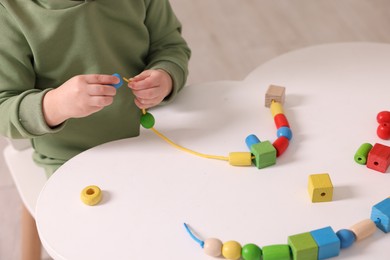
x,y
363,229
212,247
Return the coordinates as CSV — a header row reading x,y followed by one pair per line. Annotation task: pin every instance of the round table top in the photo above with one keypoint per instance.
x,y
333,94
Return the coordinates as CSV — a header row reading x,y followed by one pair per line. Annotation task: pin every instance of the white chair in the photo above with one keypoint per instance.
x,y
29,180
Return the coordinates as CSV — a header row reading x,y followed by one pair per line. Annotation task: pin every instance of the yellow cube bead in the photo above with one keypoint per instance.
x,y
320,187
240,158
231,250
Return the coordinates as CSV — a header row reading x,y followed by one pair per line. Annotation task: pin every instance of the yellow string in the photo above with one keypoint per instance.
x,y
169,141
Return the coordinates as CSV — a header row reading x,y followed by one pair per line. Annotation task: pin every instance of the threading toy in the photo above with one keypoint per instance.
x,y
322,243
262,154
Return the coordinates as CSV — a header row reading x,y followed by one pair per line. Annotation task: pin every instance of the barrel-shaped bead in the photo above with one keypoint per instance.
x,y
363,229
120,83
284,131
251,140
240,158
280,145
277,252
281,120
231,250
362,153
347,238
212,247
276,108
251,252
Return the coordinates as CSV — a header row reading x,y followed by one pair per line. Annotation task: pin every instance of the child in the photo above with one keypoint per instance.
x,y
57,58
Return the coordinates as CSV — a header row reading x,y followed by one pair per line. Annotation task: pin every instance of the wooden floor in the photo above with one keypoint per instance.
x,y
229,38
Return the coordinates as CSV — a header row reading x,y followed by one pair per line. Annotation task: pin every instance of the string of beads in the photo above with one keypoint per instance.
x,y
318,244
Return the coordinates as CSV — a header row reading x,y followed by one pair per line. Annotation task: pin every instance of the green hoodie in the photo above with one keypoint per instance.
x,y
43,43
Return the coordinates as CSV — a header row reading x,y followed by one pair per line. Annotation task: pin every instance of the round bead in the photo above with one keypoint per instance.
x,y
383,131
147,120
362,153
383,117
212,247
280,145
347,237
118,85
231,250
251,252
91,195
281,120
251,140
284,131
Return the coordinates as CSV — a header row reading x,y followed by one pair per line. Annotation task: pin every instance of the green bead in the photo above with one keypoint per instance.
x,y
362,153
147,120
251,252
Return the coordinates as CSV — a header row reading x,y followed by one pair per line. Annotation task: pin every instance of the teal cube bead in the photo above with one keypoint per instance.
x,y
327,241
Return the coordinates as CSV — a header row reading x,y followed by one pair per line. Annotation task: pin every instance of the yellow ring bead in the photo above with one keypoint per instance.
x,y
91,195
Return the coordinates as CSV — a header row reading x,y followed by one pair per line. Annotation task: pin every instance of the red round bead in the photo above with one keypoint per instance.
x,y
383,131
383,117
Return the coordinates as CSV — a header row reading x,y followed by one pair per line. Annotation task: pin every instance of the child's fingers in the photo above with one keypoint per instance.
x,y
101,79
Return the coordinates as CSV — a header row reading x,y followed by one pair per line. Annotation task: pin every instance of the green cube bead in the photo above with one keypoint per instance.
x,y
265,154
303,246
276,252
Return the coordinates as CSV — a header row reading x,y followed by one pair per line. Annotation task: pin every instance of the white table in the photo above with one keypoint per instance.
x,y
333,94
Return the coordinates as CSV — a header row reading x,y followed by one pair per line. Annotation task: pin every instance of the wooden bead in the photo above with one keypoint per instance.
x,y
212,247
281,145
276,252
240,158
379,158
320,187
362,153
231,250
251,140
381,213
363,229
347,238
281,120
91,195
276,93
251,252
303,246
147,120
265,154
276,108
120,83
327,241
284,131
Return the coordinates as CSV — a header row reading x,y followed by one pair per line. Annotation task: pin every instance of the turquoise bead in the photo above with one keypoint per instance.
x,y
347,237
118,85
147,120
284,131
251,252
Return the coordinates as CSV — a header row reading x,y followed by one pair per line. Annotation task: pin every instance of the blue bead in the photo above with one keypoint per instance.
x,y
118,85
251,140
284,131
347,237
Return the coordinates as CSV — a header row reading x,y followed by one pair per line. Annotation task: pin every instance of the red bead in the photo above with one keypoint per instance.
x,y
383,131
383,117
280,145
379,158
280,121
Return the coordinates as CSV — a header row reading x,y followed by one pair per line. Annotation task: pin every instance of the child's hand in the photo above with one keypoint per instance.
x,y
150,87
80,96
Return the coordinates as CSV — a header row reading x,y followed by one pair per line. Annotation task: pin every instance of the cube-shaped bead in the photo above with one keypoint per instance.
x,y
276,252
265,154
303,247
320,187
381,212
327,241
379,158
276,93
